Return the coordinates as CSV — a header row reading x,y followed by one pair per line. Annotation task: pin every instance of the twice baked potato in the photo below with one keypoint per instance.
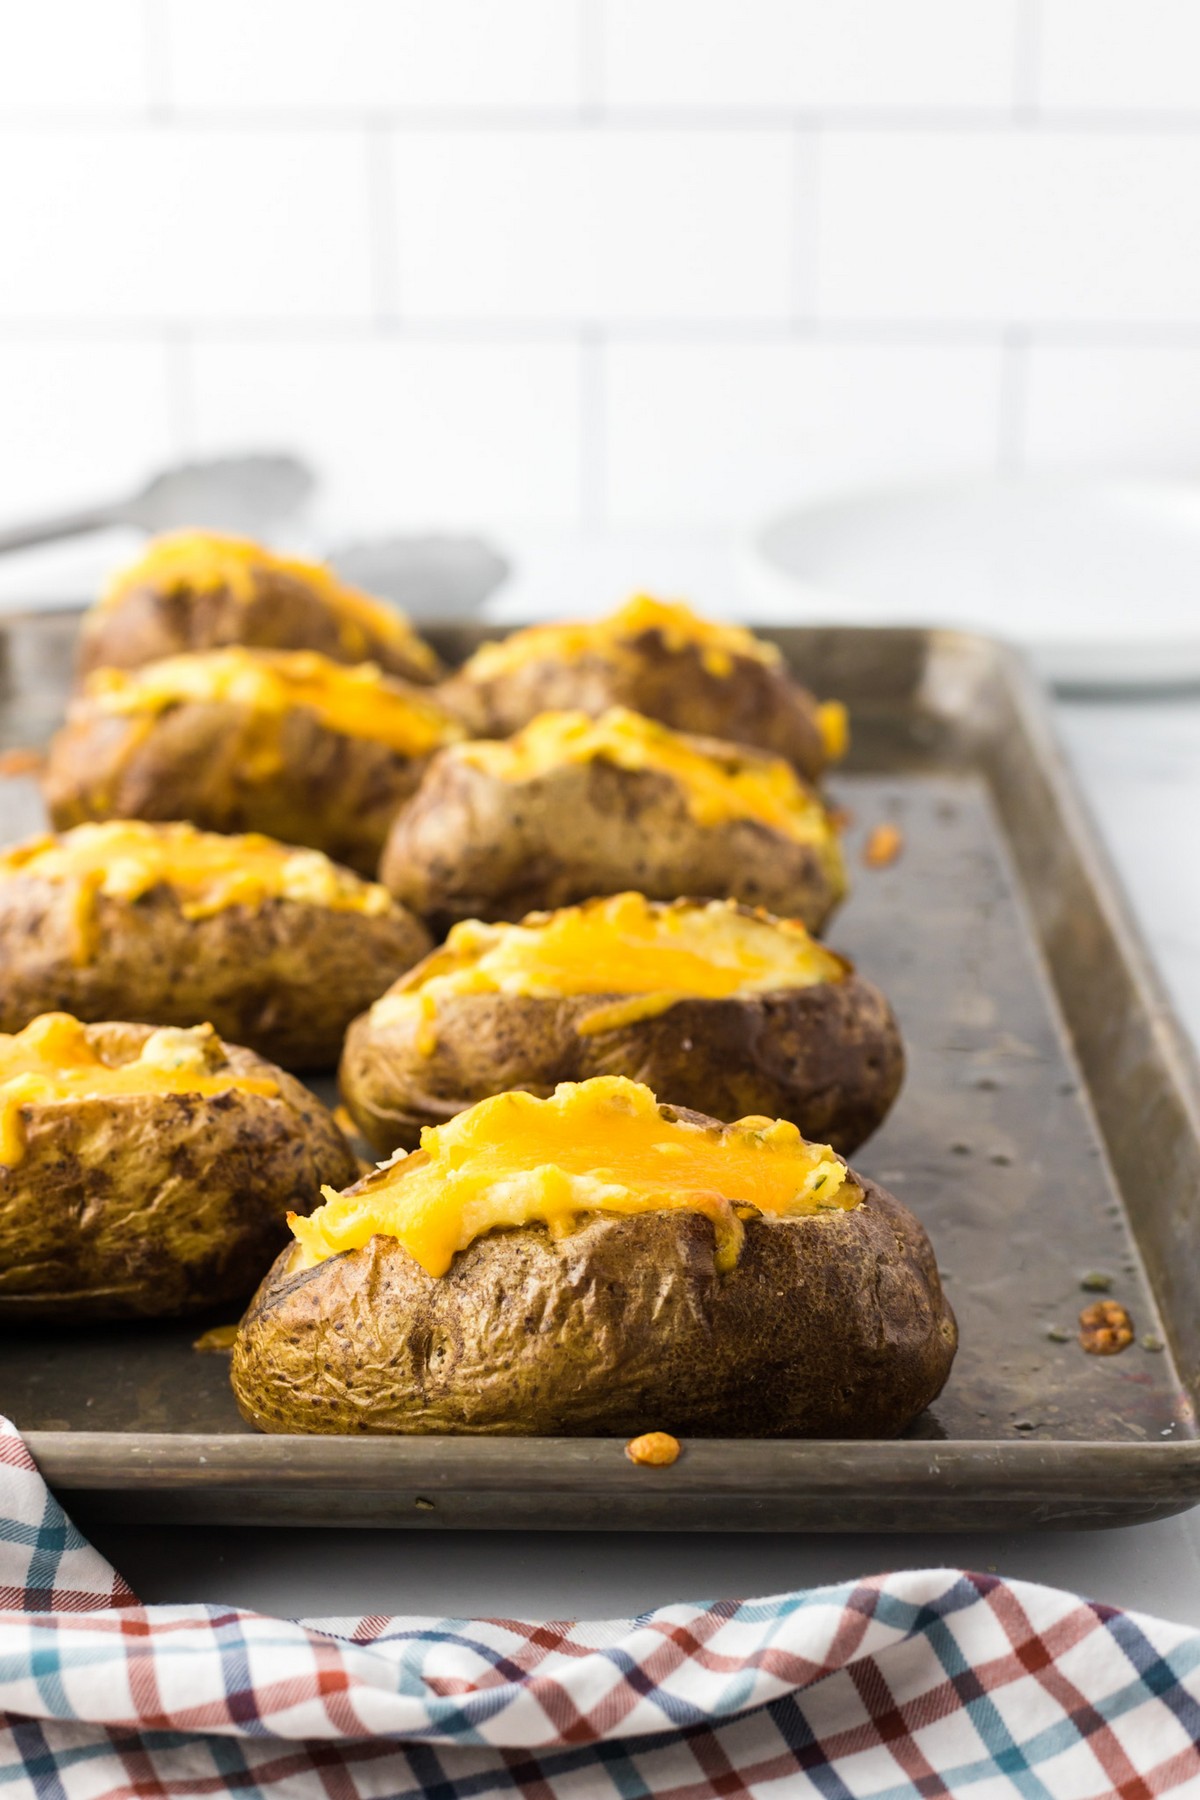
x,y
573,807
596,1263
659,659
201,590
715,1007
283,742
277,948
148,1172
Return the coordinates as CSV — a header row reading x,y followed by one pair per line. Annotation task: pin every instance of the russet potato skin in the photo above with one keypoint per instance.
x,y
149,622
829,1057
472,845
829,1326
199,760
284,978
753,703
153,1205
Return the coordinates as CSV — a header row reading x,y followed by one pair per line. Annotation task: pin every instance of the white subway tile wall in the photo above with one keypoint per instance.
x,y
626,262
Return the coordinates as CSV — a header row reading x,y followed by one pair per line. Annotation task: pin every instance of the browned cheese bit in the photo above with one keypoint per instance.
x,y
883,846
654,1449
1105,1328
21,762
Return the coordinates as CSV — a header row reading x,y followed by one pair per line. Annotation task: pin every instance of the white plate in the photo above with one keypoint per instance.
x,y
1098,580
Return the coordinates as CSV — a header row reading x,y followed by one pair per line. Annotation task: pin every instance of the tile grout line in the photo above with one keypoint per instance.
x,y
593,429
382,223
1014,401
181,391
501,332
590,22
806,206
156,50
448,119
1027,47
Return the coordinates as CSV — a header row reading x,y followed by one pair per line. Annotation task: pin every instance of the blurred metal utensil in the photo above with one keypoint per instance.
x,y
448,576
231,493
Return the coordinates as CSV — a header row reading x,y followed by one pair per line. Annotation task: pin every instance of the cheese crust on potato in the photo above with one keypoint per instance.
x,y
715,1006
148,1172
204,590
288,743
658,658
276,947
597,1263
574,807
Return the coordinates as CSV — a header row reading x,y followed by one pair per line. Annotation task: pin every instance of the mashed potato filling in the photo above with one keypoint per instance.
x,y
207,872
52,1061
734,785
205,562
359,702
651,952
599,1146
676,624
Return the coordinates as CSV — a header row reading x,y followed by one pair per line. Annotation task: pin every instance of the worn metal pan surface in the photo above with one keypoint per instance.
x,y
1049,1133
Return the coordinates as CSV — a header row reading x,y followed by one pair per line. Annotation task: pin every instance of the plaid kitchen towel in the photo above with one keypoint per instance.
x,y
930,1683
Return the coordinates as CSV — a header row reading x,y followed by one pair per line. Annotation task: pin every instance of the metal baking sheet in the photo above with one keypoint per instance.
x,y
1049,1131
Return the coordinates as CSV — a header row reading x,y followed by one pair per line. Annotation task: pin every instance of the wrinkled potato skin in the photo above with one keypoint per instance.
x,y
828,1057
753,704
153,1205
195,761
284,979
148,623
830,1326
470,845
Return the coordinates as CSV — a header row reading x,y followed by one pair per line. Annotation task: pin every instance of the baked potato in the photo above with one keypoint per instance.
x,y
655,658
573,807
148,1172
200,590
597,1263
277,948
715,1007
279,741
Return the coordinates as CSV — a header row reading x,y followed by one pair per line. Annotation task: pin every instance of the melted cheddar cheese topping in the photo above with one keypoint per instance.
x,y
650,952
204,562
677,625
599,1146
52,1062
358,702
123,859
833,723
737,784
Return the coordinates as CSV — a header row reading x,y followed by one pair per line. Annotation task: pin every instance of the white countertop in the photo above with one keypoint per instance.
x,y
1140,766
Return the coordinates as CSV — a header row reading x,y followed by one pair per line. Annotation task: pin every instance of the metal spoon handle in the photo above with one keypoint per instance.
x,y
61,525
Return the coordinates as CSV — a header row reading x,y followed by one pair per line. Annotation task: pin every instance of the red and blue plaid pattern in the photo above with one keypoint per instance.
x,y
929,1683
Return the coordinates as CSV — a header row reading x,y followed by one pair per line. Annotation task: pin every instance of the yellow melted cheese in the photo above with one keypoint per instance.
x,y
833,723
52,1062
650,952
359,702
126,858
677,625
736,785
600,1146
204,562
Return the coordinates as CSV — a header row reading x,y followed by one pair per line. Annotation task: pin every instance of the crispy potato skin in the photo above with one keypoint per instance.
x,y
829,1057
199,761
148,623
152,1205
470,845
753,704
285,978
829,1326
